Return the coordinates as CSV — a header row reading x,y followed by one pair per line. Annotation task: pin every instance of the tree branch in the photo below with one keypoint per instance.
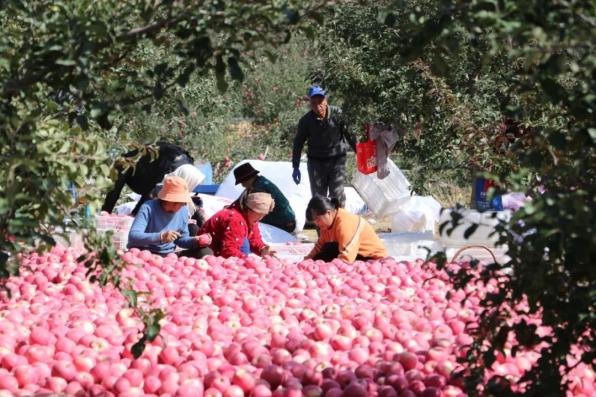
x,y
131,34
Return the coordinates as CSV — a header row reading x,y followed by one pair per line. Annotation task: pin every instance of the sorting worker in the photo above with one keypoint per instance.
x,y
282,216
193,178
343,235
230,226
162,224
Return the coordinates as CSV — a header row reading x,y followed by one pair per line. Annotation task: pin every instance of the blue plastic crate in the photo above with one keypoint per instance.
x,y
206,189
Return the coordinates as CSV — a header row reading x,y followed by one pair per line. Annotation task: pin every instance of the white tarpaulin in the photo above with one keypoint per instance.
x,y
280,173
212,204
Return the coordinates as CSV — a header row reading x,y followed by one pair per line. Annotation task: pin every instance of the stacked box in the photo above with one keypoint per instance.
x,y
383,196
118,224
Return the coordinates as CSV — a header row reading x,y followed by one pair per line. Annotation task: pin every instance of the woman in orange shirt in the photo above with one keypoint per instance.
x,y
343,235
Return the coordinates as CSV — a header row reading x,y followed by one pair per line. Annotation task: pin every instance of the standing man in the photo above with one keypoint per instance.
x,y
328,139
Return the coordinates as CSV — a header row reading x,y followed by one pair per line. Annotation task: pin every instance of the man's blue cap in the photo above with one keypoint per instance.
x,y
316,90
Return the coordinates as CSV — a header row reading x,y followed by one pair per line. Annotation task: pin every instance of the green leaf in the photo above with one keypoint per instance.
x,y
131,295
138,348
235,70
66,62
220,74
470,230
152,330
292,15
4,64
489,357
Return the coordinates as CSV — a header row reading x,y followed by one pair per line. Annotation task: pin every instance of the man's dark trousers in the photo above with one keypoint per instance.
x,y
327,177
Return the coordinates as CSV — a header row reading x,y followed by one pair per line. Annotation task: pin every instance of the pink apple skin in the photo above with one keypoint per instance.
x,y
245,326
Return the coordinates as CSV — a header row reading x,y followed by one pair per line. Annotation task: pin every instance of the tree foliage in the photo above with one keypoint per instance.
x,y
79,66
449,72
261,111
71,70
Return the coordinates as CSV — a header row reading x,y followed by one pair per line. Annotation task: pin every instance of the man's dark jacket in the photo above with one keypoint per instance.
x,y
327,138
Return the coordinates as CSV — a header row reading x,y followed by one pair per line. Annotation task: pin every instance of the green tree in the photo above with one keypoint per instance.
x,y
444,105
449,72
254,116
71,70
80,65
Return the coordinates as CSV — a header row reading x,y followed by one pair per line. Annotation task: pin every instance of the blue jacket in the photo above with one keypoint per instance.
x,y
151,220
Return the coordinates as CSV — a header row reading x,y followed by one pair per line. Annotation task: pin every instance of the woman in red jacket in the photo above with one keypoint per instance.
x,y
229,227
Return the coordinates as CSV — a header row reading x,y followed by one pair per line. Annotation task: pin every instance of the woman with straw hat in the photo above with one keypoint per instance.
x,y
193,178
162,224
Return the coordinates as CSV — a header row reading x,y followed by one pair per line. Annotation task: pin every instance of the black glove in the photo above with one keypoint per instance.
x,y
296,175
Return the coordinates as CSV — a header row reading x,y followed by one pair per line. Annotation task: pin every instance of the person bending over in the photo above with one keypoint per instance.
x,y
147,172
343,235
282,215
230,226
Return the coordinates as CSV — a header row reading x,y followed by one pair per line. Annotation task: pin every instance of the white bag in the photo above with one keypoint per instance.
x,y
484,233
417,214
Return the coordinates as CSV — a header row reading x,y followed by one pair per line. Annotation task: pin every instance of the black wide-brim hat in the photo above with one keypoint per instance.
x,y
244,172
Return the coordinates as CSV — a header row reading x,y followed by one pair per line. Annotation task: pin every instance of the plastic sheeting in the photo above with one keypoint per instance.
x,y
280,173
409,245
383,196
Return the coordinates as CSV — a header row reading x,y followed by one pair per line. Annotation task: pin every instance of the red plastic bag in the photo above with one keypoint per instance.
x,y
366,157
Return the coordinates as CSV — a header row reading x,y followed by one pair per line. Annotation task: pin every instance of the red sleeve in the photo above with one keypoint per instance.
x,y
233,236
255,240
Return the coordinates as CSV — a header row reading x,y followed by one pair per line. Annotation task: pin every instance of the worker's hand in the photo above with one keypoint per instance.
x,y
268,251
169,236
204,239
296,175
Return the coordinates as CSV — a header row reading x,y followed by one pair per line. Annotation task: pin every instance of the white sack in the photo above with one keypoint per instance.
x,y
417,214
354,202
484,234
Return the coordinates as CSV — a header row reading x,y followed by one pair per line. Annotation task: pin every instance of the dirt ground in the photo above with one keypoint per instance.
x,y
310,234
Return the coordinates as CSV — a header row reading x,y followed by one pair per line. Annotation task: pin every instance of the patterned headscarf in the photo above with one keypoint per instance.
x,y
261,203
